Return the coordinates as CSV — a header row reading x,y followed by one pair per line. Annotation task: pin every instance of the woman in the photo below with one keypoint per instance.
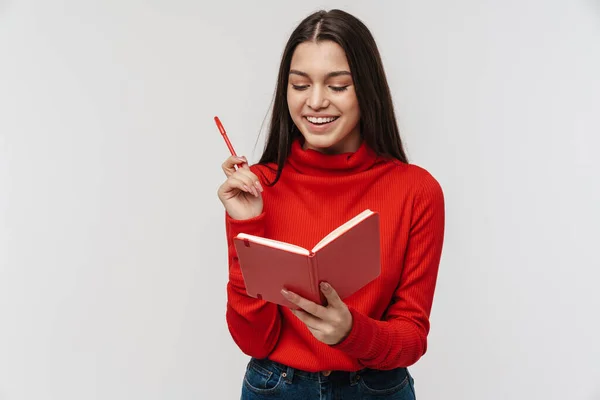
x,y
332,151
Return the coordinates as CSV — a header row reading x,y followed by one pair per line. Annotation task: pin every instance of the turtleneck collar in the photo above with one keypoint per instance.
x,y
312,162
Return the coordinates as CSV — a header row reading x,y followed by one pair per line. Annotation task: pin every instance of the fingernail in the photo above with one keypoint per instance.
x,y
258,186
246,188
325,286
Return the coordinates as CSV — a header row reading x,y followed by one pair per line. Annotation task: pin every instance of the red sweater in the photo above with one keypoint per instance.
x,y
315,194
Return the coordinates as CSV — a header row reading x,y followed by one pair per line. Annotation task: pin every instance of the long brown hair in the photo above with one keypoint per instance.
x,y
378,125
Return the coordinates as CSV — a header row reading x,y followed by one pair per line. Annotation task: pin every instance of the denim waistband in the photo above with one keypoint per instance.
x,y
289,373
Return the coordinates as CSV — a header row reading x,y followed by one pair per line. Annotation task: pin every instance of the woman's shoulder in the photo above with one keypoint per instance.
x,y
265,172
416,176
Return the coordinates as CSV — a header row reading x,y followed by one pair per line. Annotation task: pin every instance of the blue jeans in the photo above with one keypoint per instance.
x,y
267,380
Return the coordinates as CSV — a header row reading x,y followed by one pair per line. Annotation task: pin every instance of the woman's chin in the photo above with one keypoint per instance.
x,y
320,143
331,143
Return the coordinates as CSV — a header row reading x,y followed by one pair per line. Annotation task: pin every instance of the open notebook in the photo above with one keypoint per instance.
x,y
348,258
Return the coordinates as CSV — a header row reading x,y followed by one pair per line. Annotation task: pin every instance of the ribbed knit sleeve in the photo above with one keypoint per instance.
x,y
254,324
400,338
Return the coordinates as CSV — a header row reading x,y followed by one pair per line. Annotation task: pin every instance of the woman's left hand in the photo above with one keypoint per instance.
x,y
330,324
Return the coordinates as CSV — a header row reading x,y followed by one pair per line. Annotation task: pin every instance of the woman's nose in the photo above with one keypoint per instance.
x,y
317,99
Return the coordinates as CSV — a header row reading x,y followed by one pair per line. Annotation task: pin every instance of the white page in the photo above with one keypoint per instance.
x,y
275,244
342,228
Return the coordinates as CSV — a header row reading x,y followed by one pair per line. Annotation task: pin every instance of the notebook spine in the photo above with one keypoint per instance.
x,y
313,268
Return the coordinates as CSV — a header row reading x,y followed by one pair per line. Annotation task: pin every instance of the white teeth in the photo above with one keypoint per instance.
x,y
321,120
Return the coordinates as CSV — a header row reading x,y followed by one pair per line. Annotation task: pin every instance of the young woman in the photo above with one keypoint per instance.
x,y
334,150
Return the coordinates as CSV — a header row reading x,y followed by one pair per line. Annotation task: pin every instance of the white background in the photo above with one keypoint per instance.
x,y
112,245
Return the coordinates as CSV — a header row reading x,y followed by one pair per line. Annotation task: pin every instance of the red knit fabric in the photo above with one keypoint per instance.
x,y
315,194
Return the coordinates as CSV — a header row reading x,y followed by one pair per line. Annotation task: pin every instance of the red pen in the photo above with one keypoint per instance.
x,y
224,134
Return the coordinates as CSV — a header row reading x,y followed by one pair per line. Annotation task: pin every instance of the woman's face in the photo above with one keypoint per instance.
x,y
321,98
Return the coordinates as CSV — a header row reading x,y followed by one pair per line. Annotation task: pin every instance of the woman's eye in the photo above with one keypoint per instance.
x,y
300,87
338,88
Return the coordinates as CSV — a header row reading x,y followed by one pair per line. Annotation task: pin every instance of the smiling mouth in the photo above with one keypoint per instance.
x,y
320,120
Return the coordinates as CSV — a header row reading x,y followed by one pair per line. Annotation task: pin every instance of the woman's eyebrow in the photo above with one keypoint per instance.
x,y
329,75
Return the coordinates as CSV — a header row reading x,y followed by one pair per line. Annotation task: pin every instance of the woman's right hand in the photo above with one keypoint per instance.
x,y
241,192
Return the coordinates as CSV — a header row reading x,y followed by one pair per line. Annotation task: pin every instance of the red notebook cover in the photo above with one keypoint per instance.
x,y
348,258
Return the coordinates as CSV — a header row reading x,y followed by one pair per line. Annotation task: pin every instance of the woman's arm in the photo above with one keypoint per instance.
x,y
401,338
254,324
